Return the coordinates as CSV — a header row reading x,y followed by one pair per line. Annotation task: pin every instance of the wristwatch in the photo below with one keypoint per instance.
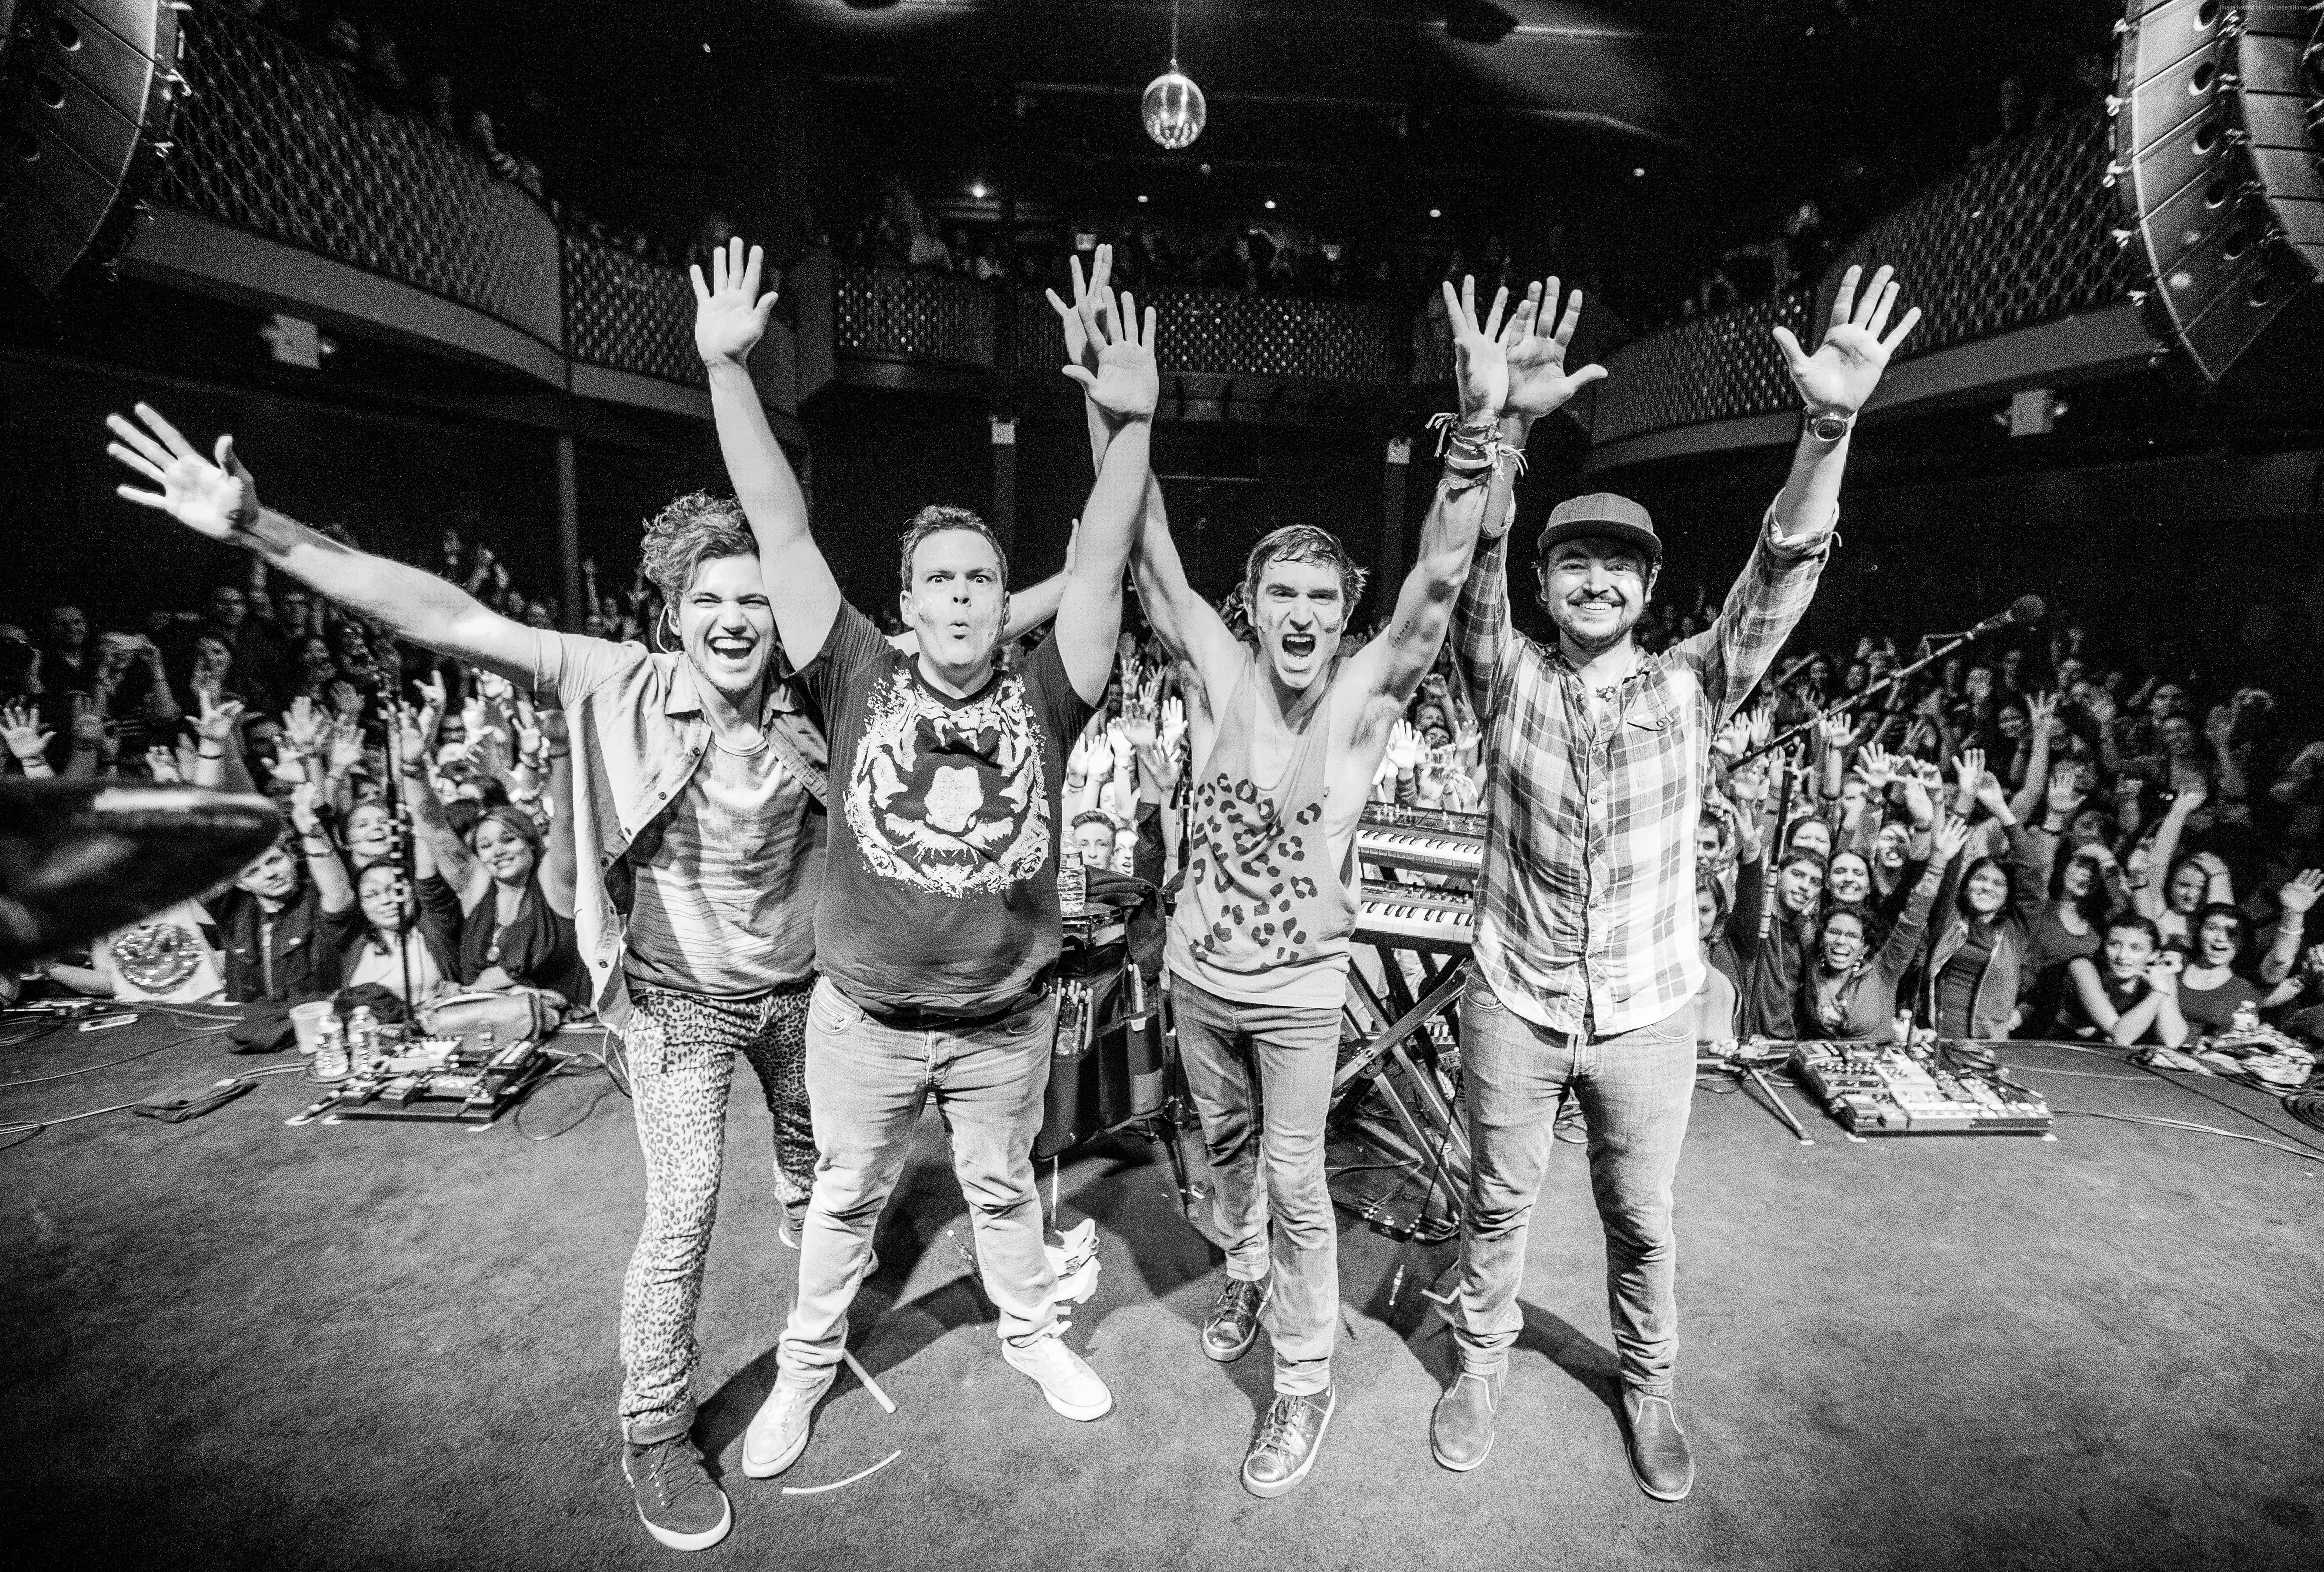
x,y
1827,427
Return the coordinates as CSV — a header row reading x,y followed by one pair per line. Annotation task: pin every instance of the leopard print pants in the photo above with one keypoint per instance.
x,y
681,1050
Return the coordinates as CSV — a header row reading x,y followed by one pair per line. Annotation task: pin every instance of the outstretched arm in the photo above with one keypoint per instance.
x,y
1837,380
729,316
1190,627
218,498
1124,390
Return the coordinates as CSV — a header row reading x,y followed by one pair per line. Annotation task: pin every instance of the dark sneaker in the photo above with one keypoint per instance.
x,y
1461,1430
1660,1460
676,1500
1288,1437
778,1432
1232,1325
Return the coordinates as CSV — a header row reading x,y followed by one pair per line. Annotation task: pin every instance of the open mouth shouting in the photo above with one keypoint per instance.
x,y
1298,646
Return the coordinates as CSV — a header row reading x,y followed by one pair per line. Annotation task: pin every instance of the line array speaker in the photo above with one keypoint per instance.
x,y
2216,166
87,91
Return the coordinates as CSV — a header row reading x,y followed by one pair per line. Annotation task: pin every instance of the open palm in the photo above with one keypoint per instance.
x,y
1839,377
1481,367
216,499
1127,384
729,313
1535,349
1079,319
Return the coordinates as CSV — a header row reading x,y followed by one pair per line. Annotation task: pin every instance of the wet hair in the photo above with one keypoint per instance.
x,y
695,529
1303,543
937,519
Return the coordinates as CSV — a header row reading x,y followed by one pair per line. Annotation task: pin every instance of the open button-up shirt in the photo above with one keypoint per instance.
x,y
1585,906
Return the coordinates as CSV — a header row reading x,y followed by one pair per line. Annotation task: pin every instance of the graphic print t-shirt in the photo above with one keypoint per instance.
x,y
940,888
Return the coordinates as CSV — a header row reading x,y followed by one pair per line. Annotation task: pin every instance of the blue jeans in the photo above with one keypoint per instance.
x,y
1293,1052
866,1084
1635,1088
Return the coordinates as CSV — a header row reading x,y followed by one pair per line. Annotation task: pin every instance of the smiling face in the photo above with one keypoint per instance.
x,y
1798,885
957,604
1299,611
1985,890
1595,589
2127,952
1843,941
506,855
2219,939
371,833
386,898
727,626
1709,839
1850,879
1889,847
2186,888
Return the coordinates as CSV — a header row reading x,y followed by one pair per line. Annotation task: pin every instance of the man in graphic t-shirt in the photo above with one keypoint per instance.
x,y
939,923
1286,735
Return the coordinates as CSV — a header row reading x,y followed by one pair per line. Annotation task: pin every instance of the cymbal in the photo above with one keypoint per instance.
x,y
78,858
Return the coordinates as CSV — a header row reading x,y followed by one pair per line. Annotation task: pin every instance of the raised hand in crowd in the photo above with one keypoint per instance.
x,y
20,729
1968,771
162,764
1842,374
1946,838
1534,352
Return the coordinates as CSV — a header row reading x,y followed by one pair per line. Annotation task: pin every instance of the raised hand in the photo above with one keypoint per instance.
x,y
302,724
162,765
1174,725
1969,768
1990,795
410,735
346,750
1405,747
21,729
1480,366
2220,726
2041,714
1763,726
218,498
1950,836
1139,724
2299,893
2064,793
1082,318
1874,765
304,819
346,699
1127,384
1732,739
729,314
1837,733
217,721
1917,801
2189,789
287,765
1839,377
1535,351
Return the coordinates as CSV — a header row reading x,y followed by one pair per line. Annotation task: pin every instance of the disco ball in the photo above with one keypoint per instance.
x,y
1173,109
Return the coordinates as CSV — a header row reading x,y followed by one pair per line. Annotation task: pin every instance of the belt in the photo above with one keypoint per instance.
x,y
921,1019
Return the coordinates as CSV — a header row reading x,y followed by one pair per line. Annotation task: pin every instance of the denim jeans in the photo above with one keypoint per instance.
x,y
867,1084
1285,1222
1634,1088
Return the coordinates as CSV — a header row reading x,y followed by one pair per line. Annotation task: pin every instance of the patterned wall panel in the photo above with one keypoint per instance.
x,y
629,314
1714,368
913,314
276,141
1234,333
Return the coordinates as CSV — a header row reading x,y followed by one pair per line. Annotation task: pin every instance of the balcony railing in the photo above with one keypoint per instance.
x,y
2018,238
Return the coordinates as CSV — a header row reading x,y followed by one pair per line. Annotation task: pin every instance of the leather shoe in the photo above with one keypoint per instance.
x,y
1232,1325
1287,1441
1660,1460
1460,1431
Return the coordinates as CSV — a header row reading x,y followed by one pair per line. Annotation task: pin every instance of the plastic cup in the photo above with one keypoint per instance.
x,y
308,1020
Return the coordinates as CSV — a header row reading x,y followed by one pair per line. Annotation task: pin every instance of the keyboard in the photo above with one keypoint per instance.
x,y
1421,840
1414,916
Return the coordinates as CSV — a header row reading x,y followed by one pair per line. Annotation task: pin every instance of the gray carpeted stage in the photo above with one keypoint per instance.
x,y
234,1344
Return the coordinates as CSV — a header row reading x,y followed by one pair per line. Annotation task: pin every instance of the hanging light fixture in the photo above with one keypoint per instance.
x,y
1173,107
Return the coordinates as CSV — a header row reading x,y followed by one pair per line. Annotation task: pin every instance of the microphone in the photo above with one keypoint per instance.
x,y
2023,609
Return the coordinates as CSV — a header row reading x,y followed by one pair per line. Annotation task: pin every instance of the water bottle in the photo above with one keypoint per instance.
x,y
1072,882
363,1040
2246,1019
331,1052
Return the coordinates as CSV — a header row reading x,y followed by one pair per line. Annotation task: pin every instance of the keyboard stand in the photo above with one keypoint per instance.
x,y
1433,1146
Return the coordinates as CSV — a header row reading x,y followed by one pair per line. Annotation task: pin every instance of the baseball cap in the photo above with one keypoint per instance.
x,y
1604,515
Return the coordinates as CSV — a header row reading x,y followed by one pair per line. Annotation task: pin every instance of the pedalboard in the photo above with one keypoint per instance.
x,y
450,1085
1881,1089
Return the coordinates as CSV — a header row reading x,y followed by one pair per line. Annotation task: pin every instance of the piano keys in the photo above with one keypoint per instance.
x,y
1421,840
1416,916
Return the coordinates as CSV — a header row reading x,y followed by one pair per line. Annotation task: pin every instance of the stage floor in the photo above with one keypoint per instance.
x,y
236,1344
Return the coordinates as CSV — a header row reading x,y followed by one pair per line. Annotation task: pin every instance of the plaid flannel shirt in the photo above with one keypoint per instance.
x,y
1585,907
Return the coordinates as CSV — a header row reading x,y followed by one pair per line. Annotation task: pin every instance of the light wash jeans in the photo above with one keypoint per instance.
x,y
867,1084
1635,1088
1284,1222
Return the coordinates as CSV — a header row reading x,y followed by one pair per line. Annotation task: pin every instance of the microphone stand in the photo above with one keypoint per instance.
x,y
407,865
1853,700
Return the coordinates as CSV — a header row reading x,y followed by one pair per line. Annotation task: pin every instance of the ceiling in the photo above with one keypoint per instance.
x,y
1676,125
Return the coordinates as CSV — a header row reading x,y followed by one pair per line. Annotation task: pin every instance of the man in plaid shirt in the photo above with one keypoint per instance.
x,y
1587,962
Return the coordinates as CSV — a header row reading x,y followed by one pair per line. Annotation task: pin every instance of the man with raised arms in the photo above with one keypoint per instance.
x,y
1586,963
1286,735
697,835
939,922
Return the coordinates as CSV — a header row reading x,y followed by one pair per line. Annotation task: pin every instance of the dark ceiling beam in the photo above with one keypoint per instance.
x,y
1082,12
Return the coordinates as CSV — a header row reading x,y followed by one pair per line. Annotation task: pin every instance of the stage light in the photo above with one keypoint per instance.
x,y
1141,199
978,192
1270,204
1172,106
1437,212
1638,172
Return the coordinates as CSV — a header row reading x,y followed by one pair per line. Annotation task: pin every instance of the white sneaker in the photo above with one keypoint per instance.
x,y
1072,1387
780,1430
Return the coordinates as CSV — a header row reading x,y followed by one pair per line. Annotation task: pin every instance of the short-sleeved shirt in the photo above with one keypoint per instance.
x,y
2210,1012
940,886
